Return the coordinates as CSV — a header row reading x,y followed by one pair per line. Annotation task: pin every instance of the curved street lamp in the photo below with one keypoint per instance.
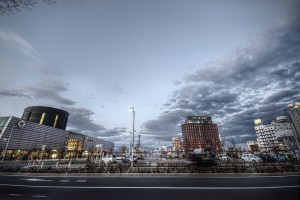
x,y
132,149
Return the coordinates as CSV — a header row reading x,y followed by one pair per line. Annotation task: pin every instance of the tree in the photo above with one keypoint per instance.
x,y
233,150
16,6
123,149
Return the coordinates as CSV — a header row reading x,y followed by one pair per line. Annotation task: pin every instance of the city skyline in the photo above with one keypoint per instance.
x,y
233,61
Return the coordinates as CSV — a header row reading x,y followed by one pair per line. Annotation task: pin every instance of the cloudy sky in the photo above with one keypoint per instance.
x,y
233,60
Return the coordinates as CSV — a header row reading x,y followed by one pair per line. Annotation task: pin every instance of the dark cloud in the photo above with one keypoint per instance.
x,y
117,131
49,89
282,95
80,119
48,93
256,81
166,126
14,93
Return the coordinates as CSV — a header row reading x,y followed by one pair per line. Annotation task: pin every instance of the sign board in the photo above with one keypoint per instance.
x,y
21,123
257,122
208,118
99,145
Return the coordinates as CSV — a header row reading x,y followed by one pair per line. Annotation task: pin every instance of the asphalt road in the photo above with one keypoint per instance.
x,y
144,188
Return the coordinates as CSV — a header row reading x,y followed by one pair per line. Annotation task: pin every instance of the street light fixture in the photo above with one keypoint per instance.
x,y
132,148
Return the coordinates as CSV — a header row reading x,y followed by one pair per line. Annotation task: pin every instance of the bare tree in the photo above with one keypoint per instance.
x,y
233,150
16,6
123,149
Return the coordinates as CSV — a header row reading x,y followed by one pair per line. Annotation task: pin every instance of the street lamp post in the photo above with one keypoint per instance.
x,y
4,152
132,148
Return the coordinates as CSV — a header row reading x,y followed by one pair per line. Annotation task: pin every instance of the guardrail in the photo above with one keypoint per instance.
x,y
167,167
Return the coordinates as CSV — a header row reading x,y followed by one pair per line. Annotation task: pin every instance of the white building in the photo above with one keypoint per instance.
x,y
252,146
177,145
275,136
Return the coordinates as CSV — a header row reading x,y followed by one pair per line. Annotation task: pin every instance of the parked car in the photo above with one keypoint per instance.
x,y
267,157
119,157
224,158
286,157
251,158
134,159
202,160
272,158
109,159
126,160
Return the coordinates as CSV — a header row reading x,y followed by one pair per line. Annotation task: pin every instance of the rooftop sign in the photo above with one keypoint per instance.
x,y
206,118
257,122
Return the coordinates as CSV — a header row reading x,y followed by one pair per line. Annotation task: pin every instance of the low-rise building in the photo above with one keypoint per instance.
x,y
35,139
177,147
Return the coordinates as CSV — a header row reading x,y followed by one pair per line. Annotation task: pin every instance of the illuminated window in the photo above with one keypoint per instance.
x,y
42,118
55,121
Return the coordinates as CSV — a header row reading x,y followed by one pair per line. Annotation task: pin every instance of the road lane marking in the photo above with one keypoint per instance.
x,y
36,179
166,188
28,195
64,181
19,195
80,181
39,196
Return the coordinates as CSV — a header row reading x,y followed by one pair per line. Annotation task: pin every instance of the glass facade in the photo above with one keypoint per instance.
x,y
3,123
36,141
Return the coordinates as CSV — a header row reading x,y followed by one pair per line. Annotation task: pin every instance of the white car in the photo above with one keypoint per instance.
x,y
224,158
109,159
251,158
120,157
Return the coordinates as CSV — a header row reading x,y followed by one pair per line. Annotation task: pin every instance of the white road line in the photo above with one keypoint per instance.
x,y
39,196
36,179
80,181
64,181
19,195
164,188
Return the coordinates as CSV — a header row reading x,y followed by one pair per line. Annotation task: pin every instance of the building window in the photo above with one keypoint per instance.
x,y
55,121
42,118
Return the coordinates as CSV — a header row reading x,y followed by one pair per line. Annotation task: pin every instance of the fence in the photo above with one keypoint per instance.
x,y
161,168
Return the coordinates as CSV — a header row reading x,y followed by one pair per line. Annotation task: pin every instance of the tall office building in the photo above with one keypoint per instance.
x,y
277,136
293,114
199,132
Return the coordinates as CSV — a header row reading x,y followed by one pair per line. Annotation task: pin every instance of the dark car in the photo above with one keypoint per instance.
x,y
286,157
268,157
125,160
203,160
